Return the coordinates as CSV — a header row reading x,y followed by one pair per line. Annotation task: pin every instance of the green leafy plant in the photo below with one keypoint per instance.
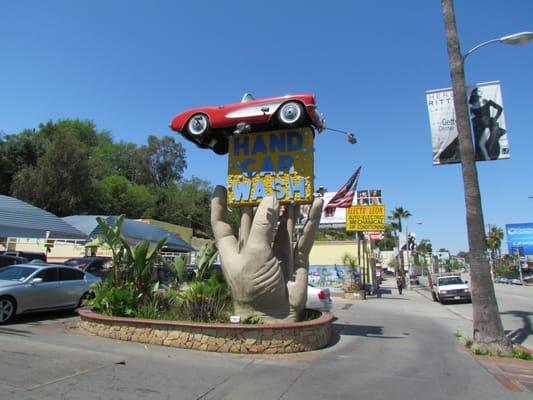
x,y
205,301
149,309
180,270
309,315
140,260
252,321
521,354
118,301
205,259
112,240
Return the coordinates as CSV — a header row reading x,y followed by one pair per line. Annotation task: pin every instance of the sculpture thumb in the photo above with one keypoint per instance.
x,y
226,243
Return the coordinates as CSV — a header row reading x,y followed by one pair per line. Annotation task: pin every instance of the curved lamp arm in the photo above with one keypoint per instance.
x,y
515,38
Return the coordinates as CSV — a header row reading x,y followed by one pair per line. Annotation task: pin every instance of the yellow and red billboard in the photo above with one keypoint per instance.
x,y
275,163
365,218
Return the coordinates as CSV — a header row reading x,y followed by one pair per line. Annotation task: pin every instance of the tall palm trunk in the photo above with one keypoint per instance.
x,y
487,325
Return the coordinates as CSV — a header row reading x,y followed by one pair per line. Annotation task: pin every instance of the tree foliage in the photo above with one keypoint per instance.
x,y
70,167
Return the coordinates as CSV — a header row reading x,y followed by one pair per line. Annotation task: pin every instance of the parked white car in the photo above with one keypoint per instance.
x,y
318,299
450,288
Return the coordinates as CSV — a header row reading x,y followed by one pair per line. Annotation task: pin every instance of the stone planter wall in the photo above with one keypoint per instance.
x,y
358,295
224,338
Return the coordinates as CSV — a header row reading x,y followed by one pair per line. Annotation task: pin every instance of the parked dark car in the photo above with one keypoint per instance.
x,y
11,260
29,255
95,265
414,280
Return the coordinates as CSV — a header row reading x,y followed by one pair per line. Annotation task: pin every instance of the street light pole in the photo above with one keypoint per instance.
x,y
487,325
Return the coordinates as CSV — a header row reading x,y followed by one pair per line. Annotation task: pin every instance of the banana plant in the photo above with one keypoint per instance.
x,y
112,239
205,259
140,259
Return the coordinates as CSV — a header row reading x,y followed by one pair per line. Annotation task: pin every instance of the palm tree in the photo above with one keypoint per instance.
x,y
487,324
397,214
494,240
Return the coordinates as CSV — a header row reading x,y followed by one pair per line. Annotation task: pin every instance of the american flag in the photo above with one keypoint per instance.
x,y
344,196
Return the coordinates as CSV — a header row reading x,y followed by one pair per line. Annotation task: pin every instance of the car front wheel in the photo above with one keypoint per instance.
x,y
7,309
198,126
291,114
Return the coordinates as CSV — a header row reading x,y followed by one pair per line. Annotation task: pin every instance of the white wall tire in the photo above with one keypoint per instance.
x,y
291,114
198,125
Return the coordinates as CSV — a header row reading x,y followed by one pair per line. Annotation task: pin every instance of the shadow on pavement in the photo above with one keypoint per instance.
x,y
41,317
520,335
358,330
16,332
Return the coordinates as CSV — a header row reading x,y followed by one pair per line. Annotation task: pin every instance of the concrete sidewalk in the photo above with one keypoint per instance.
x,y
388,346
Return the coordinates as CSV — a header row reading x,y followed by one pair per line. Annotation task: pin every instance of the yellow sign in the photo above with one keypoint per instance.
x,y
273,163
365,218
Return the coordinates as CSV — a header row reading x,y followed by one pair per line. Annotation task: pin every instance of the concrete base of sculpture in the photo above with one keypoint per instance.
x,y
291,337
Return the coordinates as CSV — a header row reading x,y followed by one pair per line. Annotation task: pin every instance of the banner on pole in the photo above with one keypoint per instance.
x,y
485,104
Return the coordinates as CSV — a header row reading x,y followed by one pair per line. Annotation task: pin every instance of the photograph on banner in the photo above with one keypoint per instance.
x,y
365,218
368,197
485,103
520,238
273,163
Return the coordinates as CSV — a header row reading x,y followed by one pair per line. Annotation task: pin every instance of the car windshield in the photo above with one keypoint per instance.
x,y
453,280
16,273
247,97
75,261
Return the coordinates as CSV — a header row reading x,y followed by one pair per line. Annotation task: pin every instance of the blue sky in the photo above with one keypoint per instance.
x,y
130,66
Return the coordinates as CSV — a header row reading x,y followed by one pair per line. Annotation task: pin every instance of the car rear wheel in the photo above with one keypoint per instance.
x,y
291,114
84,299
8,308
198,126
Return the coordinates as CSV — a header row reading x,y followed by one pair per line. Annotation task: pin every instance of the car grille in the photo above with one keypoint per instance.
x,y
455,291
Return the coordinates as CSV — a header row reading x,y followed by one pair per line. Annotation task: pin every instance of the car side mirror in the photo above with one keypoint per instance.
x,y
36,280
466,281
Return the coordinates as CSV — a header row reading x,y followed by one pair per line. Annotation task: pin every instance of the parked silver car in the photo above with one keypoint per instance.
x,y
28,288
318,298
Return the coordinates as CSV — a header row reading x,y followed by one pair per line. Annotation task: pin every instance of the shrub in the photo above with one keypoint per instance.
x,y
111,300
205,301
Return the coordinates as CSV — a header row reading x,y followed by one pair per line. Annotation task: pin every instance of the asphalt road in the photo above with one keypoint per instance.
x,y
516,310
387,347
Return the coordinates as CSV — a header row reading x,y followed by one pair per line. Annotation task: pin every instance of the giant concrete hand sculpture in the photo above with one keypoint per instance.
x,y
265,269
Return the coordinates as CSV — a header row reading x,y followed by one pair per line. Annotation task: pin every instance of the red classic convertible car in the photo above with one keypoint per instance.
x,y
210,127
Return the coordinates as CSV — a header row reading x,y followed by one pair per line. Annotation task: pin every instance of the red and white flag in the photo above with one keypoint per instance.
x,y
344,196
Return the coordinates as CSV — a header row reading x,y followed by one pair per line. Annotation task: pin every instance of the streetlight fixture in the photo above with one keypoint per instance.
x,y
515,38
487,325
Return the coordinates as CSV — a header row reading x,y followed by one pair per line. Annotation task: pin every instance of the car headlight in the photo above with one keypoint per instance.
x,y
466,290
442,291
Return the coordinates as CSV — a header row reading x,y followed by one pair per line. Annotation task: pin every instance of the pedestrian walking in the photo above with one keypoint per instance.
x,y
400,283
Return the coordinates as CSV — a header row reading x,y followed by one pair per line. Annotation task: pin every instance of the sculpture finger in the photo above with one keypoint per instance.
x,y
282,247
247,215
226,243
311,226
261,234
